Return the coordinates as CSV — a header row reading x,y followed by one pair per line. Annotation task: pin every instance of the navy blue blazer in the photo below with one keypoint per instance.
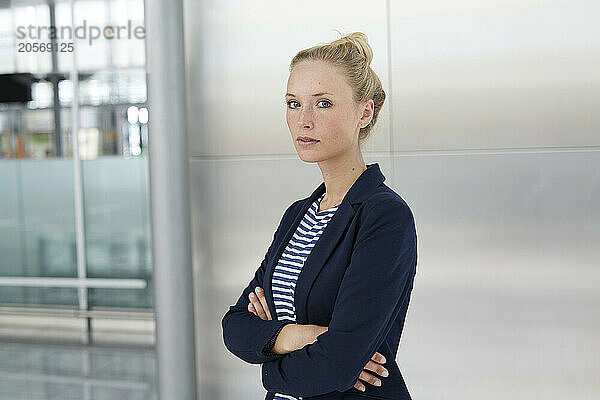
x,y
357,280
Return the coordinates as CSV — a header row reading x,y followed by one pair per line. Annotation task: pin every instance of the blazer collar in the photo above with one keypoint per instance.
x,y
360,190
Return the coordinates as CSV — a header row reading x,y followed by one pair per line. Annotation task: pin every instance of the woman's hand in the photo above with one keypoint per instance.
x,y
372,365
258,304
298,336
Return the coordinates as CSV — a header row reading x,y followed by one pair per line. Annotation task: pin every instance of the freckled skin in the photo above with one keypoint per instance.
x,y
334,119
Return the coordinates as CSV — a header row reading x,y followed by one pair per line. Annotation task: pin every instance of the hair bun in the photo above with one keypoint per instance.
x,y
360,42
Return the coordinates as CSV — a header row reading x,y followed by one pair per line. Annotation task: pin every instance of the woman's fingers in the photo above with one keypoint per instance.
x,y
378,357
377,368
257,305
372,365
263,300
368,378
359,386
252,309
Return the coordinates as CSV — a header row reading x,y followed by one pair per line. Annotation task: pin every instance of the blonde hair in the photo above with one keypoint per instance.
x,y
353,54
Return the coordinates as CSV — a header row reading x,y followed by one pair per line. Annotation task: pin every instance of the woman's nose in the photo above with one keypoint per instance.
x,y
305,120
305,124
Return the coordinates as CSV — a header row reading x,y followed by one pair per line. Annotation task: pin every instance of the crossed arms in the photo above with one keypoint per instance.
x,y
375,286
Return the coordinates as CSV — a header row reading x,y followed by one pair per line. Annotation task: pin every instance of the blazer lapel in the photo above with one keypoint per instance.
x,y
366,183
319,255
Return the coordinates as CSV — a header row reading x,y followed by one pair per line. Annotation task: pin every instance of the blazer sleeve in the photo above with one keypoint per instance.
x,y
244,334
376,285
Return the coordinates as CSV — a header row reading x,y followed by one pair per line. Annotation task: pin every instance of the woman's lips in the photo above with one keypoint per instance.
x,y
306,143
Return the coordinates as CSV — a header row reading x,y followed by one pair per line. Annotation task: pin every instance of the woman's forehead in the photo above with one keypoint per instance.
x,y
316,82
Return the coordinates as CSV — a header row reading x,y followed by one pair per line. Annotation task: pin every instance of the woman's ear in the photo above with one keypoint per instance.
x,y
368,109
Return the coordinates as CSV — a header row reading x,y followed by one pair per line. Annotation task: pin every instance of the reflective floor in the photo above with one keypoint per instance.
x,y
64,372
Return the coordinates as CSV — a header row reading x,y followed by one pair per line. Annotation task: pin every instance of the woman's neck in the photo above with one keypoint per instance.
x,y
339,176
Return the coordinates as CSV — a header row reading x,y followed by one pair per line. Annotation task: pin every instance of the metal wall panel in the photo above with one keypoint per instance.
x,y
495,74
507,280
238,57
507,285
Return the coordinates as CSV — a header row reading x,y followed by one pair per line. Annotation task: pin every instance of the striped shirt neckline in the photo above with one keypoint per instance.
x,y
318,202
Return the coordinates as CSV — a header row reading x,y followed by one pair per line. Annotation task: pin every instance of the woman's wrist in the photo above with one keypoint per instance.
x,y
291,337
294,337
284,340
297,336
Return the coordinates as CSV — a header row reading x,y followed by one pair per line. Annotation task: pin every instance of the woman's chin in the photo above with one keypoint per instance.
x,y
307,156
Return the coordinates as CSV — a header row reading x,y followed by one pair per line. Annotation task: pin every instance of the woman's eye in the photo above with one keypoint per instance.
x,y
326,103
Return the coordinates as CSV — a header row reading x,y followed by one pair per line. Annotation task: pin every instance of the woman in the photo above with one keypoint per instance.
x,y
325,310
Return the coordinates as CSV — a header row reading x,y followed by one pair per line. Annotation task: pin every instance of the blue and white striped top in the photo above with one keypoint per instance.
x,y
283,284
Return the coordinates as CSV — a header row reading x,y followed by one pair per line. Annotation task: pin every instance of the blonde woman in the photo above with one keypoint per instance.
x,y
324,312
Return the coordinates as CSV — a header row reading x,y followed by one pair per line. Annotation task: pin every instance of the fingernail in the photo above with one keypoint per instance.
x,y
258,289
362,389
382,359
251,295
378,383
385,373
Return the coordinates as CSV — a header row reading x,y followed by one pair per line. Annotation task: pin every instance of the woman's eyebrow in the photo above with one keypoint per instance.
x,y
314,95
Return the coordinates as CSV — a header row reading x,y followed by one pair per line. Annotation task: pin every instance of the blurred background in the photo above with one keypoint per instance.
x,y
490,132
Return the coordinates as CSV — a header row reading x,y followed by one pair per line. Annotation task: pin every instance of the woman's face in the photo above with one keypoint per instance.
x,y
319,105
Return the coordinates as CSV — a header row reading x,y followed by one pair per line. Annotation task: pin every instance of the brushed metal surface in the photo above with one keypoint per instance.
x,y
238,57
494,74
507,280
490,134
